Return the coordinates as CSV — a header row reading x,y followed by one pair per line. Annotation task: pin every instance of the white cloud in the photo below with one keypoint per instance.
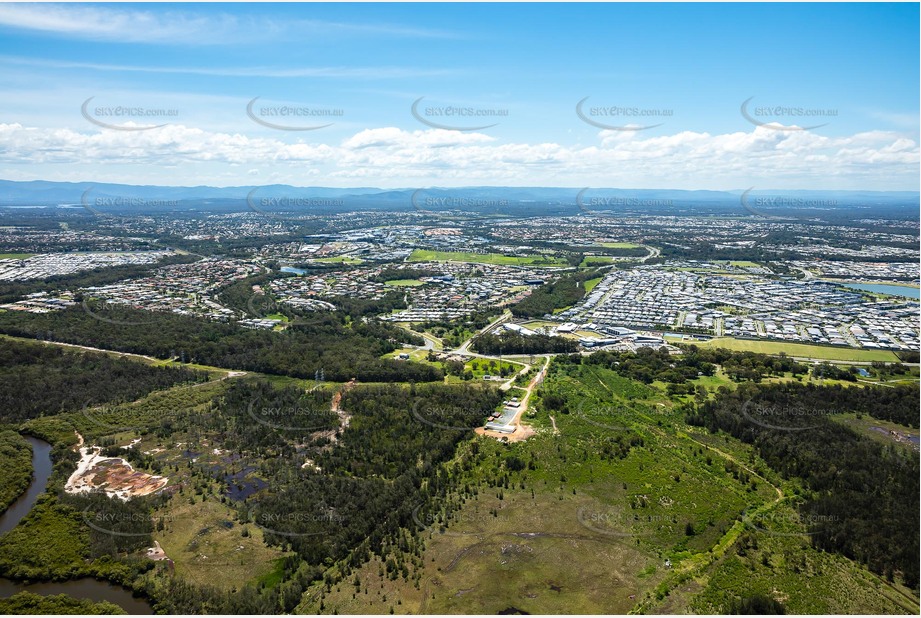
x,y
108,23
112,24
390,156
392,137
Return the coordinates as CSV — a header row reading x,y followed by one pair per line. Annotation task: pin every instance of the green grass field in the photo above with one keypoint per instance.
x,y
15,256
799,349
620,245
404,283
482,366
903,284
418,356
591,283
427,255
204,538
596,260
339,259
865,424
536,324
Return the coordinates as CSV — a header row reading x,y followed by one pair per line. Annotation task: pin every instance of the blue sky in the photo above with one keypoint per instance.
x,y
832,93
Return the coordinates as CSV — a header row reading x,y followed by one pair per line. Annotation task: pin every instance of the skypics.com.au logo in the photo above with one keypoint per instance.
x,y
295,117
784,117
775,206
479,522
104,116
614,417
291,208
649,516
787,522
619,117
782,417
595,205
454,117
112,312
448,417
113,207
442,206
112,521
304,416
298,524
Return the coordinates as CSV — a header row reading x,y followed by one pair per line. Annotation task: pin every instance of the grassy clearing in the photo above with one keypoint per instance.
x,y
536,324
904,284
531,557
427,255
404,282
419,356
204,539
701,269
799,349
865,425
15,256
912,377
620,245
591,283
711,383
596,260
483,366
521,552
339,259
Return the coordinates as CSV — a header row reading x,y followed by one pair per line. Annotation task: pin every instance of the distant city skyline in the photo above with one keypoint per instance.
x,y
667,96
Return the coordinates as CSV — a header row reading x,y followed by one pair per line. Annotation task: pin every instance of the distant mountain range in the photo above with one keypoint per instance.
x,y
538,200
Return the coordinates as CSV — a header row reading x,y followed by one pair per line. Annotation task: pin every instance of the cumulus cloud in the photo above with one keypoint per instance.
x,y
390,156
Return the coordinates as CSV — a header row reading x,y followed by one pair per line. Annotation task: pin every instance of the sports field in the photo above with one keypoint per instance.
x,y
799,349
340,259
596,260
404,282
621,245
427,255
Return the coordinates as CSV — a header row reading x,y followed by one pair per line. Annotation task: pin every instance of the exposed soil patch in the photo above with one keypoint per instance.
x,y
113,475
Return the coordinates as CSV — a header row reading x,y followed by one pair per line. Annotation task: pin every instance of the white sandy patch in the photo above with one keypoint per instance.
x,y
309,463
82,479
